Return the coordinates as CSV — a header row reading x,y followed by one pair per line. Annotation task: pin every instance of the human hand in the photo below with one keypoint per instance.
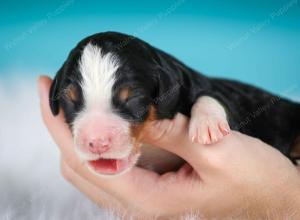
x,y
123,194
133,193
240,176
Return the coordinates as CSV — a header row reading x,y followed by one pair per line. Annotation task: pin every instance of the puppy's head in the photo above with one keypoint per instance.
x,y
108,95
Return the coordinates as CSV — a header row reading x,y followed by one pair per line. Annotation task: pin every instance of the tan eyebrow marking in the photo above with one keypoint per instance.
x,y
72,93
124,93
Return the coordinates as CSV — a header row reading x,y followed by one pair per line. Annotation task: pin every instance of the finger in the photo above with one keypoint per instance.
x,y
138,189
55,124
167,133
94,193
130,206
172,135
134,183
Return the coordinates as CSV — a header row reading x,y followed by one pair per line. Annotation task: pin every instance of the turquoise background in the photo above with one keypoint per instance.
x,y
253,41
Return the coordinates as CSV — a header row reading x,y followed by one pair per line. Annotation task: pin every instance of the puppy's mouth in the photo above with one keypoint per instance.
x,y
111,166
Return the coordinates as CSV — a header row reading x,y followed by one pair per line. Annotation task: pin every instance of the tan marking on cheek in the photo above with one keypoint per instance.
x,y
124,94
137,131
72,93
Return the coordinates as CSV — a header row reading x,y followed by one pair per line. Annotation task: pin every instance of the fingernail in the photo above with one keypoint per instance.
x,y
225,128
193,138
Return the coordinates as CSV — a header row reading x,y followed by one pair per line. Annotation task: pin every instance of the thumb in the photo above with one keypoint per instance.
x,y
55,124
172,135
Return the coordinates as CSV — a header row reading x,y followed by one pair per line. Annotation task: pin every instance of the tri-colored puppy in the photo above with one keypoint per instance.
x,y
112,84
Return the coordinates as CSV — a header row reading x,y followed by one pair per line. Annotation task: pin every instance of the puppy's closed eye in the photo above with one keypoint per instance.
x,y
138,106
132,104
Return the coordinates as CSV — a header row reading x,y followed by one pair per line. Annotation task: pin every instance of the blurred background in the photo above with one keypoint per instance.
x,y
254,41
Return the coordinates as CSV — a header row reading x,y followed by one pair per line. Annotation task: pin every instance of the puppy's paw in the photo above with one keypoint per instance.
x,y
208,122
207,129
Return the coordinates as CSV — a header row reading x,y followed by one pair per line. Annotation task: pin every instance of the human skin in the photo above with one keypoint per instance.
x,y
239,176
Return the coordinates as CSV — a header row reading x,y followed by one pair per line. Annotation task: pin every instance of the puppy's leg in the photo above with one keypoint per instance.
x,y
208,122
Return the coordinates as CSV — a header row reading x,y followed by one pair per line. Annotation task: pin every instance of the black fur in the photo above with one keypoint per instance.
x,y
156,78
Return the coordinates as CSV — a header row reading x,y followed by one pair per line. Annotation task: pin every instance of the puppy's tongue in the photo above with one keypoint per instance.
x,y
109,166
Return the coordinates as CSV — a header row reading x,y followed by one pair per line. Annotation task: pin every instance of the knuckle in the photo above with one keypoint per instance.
x,y
216,160
69,168
75,165
65,172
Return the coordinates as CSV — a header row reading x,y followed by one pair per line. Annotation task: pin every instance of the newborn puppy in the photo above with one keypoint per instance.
x,y
112,85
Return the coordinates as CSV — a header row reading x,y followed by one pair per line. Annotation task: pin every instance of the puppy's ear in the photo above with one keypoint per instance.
x,y
167,99
53,97
54,94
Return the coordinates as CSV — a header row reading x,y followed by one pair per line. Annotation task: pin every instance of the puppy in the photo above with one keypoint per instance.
x,y
112,85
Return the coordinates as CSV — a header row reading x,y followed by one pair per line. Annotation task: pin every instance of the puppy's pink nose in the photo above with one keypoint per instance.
x,y
99,146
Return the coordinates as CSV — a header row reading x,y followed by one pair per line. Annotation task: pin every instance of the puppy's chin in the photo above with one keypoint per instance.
x,y
110,167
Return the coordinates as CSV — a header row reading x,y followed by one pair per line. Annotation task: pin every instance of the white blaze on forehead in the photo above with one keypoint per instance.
x,y
97,70
98,77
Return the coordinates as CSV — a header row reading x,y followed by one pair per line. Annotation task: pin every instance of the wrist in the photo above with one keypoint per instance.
x,y
293,198
285,204
291,210
296,206
280,201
